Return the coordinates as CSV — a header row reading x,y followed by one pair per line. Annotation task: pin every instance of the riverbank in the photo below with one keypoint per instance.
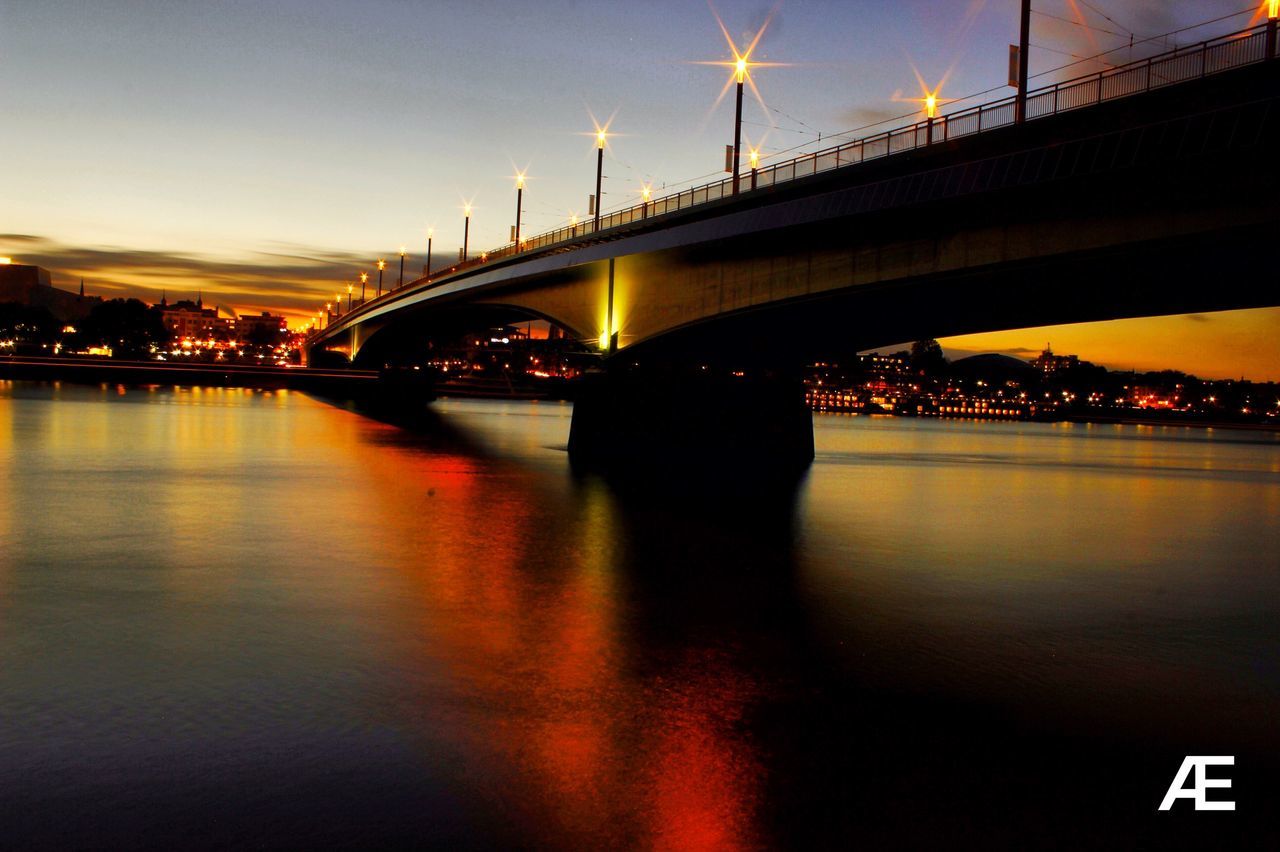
x,y
337,383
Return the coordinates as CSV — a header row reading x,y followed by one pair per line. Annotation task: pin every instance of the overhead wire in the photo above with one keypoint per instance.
x,y
1098,11
1079,24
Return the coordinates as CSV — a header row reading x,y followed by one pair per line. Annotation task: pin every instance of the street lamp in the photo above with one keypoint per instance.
x,y
364,279
1024,45
382,264
466,229
755,165
349,289
645,192
519,202
740,75
740,68
426,270
401,282
600,134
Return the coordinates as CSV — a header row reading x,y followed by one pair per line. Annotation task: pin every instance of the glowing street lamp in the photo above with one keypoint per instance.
x,y
349,289
466,229
740,75
755,165
519,201
600,140
645,192
364,281
401,282
741,71
382,264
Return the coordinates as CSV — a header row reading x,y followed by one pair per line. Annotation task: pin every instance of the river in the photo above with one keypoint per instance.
x,y
237,618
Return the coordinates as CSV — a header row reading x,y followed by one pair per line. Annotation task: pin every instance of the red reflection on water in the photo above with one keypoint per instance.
x,y
707,776
516,591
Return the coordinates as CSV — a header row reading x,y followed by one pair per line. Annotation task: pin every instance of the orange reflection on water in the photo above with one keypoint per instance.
x,y
706,787
519,592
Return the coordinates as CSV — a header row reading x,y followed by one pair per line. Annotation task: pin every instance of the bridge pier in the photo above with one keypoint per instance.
x,y
635,418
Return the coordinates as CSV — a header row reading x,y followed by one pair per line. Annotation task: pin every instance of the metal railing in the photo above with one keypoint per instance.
x,y
1206,58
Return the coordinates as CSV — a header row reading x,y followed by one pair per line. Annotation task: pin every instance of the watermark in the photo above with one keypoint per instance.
x,y
1177,790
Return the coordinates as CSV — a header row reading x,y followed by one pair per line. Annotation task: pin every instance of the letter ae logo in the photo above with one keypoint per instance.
x,y
1197,792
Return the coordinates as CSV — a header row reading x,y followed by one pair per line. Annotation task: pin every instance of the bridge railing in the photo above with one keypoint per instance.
x,y
1181,65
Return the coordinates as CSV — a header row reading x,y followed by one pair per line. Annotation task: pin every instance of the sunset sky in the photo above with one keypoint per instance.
x,y
266,153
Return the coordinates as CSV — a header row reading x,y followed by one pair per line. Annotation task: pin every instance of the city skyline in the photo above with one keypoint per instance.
x,y
217,164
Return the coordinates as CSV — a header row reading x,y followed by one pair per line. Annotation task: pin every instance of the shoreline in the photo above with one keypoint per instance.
x,y
99,371
343,383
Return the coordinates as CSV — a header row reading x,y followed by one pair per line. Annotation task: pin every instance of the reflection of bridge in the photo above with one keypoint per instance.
x,y
1145,189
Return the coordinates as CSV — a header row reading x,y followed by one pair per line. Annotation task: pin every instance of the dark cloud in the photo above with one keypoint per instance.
x,y
866,118
292,278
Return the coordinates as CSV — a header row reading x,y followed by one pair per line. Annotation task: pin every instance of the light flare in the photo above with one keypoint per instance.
x,y
601,132
930,97
741,64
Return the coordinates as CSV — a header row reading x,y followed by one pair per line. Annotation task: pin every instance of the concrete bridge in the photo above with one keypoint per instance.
x,y
1146,189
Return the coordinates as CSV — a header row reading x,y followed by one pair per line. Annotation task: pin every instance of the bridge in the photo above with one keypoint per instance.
x,y
1145,189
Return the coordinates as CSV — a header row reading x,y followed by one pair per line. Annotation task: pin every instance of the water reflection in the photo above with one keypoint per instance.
x,y
516,582
256,618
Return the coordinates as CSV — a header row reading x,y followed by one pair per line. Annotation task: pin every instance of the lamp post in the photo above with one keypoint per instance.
x,y
328,320
426,270
755,165
466,229
382,264
645,192
599,173
349,289
1024,44
519,201
400,283
741,70
364,280
337,302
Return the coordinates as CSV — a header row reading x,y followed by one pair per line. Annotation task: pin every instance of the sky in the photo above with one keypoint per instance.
x,y
265,153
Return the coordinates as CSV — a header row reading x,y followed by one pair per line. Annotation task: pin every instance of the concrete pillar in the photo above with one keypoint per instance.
x,y
689,419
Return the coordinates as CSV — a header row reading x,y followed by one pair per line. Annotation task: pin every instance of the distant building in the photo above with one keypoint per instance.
x,y
243,327
1048,363
188,319
32,285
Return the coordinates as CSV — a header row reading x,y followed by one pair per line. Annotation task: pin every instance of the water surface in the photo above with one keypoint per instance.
x,y
237,618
